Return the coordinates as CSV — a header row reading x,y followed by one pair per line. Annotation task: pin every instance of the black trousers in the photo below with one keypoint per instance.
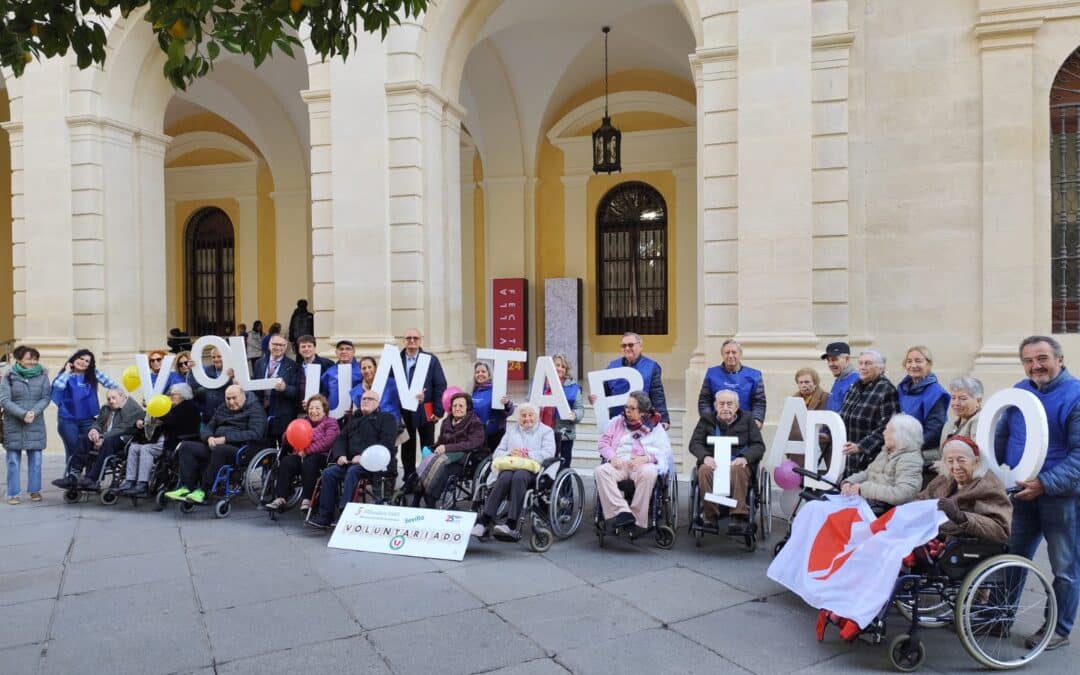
x,y
95,464
426,433
516,483
309,467
196,458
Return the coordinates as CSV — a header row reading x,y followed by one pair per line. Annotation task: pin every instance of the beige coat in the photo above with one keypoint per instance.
x,y
983,501
954,427
893,477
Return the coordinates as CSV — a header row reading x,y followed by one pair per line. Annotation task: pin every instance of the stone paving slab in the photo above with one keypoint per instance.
x,y
127,590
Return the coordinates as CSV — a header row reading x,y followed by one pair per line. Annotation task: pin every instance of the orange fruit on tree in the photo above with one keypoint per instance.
x,y
296,5
178,29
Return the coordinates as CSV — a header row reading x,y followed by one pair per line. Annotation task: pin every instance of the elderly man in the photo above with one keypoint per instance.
x,y
868,406
838,357
369,427
210,398
114,424
1049,504
745,381
726,419
651,375
237,422
282,403
346,356
421,423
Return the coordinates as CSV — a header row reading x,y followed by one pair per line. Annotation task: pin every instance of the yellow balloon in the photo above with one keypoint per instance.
x,y
159,405
130,378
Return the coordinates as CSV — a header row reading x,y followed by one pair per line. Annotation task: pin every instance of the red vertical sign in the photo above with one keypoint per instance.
x,y
508,326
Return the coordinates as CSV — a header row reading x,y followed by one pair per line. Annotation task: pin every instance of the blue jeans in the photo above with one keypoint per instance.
x,y
14,470
1058,520
71,433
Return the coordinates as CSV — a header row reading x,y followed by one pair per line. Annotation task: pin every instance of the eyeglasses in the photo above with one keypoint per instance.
x,y
184,364
629,345
412,338
277,344
156,360
369,400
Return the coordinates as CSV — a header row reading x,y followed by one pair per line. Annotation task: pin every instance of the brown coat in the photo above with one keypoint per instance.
x,y
818,401
983,501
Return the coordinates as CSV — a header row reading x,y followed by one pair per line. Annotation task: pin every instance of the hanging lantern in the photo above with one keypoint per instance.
x,y
607,140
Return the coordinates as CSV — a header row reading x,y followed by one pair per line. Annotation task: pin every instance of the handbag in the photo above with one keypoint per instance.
x,y
512,463
436,464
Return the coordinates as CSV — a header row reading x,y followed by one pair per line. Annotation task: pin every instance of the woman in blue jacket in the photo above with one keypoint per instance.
x,y
494,419
565,429
75,393
922,397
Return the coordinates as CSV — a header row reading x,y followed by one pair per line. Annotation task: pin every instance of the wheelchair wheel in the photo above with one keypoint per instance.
x,y
159,500
259,476
222,508
673,503
186,507
540,538
779,547
906,653
1002,601
108,497
935,610
699,536
764,504
71,496
567,504
665,537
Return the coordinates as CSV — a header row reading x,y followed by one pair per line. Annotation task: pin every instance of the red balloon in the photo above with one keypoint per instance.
x,y
298,434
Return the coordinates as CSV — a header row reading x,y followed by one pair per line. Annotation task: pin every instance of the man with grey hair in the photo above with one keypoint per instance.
x,y
1049,504
868,406
114,424
745,381
631,345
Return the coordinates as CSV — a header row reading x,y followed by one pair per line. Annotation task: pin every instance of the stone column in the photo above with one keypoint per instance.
x,y
322,217
174,312
685,242
1008,197
154,247
467,183
292,245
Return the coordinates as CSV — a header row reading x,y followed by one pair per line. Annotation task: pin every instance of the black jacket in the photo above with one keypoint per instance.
x,y
434,384
750,444
301,323
239,427
284,405
180,424
363,431
207,398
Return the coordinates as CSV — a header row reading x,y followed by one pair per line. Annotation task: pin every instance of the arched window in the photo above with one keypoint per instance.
x,y
211,294
1065,197
631,245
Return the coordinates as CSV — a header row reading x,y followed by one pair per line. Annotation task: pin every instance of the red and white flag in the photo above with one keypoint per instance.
x,y
841,558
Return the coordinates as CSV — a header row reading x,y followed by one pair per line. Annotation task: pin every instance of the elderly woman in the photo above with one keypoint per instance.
x,y
972,497
965,402
924,399
565,429
727,420
528,440
310,461
808,388
494,419
895,475
160,436
635,446
461,432
24,395
75,393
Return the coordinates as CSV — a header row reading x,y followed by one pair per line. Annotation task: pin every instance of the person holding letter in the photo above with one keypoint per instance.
x,y
747,382
651,374
282,403
421,423
727,419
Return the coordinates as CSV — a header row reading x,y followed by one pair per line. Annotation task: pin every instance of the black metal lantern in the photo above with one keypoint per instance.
x,y
607,140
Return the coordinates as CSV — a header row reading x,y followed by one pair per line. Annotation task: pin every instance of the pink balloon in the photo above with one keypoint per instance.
x,y
785,476
449,394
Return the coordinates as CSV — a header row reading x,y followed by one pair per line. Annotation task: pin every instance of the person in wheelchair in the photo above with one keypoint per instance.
x,y
462,431
635,446
158,436
307,463
895,475
113,426
727,420
526,447
367,427
972,497
239,421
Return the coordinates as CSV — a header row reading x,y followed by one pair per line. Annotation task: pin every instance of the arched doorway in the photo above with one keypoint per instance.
x,y
1065,196
631,288
210,277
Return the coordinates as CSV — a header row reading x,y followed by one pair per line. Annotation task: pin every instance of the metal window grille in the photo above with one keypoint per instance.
x,y
1065,197
631,231
211,294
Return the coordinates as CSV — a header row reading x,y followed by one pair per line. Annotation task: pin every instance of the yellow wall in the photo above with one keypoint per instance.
x,y
7,285
479,271
551,206
267,291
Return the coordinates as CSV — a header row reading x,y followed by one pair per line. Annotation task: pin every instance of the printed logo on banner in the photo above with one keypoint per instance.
x,y
399,530
396,543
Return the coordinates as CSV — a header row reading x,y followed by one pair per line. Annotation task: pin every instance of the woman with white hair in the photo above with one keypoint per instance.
x,y
972,497
895,475
527,445
158,436
966,395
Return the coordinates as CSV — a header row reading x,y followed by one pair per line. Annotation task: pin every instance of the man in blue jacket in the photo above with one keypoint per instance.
x,y
1049,504
429,409
745,381
651,376
838,357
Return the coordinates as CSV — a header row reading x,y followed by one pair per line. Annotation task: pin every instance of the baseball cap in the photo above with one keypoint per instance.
x,y
837,349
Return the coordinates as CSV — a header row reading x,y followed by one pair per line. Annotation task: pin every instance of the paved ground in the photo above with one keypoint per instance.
x,y
123,590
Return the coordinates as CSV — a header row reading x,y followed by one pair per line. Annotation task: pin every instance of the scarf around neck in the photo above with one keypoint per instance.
x,y
32,371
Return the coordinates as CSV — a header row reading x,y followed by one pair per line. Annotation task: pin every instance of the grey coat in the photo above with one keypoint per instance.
x,y
124,422
18,396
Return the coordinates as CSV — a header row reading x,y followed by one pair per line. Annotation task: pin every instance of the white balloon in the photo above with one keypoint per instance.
x,y
375,458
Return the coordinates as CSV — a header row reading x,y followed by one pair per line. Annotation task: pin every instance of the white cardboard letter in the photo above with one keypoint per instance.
x,y
1037,436
312,378
545,374
235,357
721,486
142,362
597,378
344,386
391,362
197,370
501,359
835,425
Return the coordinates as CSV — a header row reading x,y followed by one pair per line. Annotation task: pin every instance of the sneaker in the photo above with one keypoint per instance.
x,y
621,520
478,531
13,501
196,497
126,486
141,489
35,496
317,522
305,505
87,483
178,494
503,532
277,504
1058,640
66,483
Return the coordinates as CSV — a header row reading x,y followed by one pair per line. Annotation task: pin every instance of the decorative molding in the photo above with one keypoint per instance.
x,y
209,140
314,96
845,39
622,102
723,53
1007,34
77,121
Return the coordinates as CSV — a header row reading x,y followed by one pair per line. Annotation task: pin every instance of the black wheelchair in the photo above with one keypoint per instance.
x,y
663,511
260,480
758,501
108,482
